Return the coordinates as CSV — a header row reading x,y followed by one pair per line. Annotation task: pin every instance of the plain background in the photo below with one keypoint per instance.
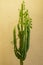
x,y
9,19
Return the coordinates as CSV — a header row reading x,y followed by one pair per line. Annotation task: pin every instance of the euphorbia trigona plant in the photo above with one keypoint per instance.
x,y
24,25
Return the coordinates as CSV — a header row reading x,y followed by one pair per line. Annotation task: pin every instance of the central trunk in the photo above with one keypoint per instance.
x,y
21,62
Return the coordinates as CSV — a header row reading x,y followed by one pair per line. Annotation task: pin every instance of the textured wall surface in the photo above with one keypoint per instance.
x,y
8,19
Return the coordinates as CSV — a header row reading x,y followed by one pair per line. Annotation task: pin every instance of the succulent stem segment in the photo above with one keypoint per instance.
x,y
24,25
21,62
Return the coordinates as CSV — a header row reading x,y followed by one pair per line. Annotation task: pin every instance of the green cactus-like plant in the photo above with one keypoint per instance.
x,y
24,25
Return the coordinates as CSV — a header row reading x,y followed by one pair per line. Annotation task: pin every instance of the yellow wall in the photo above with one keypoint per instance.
x,y
8,19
